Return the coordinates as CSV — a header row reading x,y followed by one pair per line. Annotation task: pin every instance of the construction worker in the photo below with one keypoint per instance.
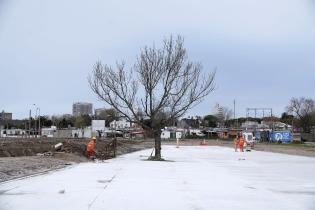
x,y
90,148
241,144
236,142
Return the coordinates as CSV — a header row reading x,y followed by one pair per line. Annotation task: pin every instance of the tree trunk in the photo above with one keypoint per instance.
x,y
157,140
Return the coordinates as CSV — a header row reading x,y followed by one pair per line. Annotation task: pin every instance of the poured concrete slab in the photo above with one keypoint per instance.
x,y
193,178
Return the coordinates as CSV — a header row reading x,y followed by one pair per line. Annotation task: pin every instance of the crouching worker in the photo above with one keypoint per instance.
x,y
90,148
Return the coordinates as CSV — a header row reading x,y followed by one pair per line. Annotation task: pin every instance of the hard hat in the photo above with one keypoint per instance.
x,y
94,138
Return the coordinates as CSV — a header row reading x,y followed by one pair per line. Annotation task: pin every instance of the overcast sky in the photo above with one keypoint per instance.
x,y
264,50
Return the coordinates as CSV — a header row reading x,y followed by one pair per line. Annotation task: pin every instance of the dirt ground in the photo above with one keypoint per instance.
x,y
16,167
24,157
30,147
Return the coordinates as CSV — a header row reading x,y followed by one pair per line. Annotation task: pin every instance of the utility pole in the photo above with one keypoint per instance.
x,y
29,124
40,133
35,116
38,118
273,125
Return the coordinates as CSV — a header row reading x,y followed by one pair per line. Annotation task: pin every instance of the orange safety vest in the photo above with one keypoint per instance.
x,y
90,146
236,141
242,141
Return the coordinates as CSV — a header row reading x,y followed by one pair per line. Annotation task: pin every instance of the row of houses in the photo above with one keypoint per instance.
x,y
121,128
265,131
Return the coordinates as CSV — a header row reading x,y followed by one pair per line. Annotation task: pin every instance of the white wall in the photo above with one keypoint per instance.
x,y
178,135
165,135
98,125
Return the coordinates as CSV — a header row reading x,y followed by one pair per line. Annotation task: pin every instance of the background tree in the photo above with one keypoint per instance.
x,y
313,120
190,122
108,115
287,118
227,113
63,121
169,86
210,121
82,121
302,108
45,121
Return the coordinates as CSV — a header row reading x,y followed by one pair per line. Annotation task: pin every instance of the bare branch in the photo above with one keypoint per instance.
x,y
169,84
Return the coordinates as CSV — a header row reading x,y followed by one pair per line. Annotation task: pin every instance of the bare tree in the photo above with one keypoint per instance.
x,y
162,86
227,113
302,108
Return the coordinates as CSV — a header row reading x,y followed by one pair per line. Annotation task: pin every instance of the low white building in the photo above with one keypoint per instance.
x,y
73,133
166,134
48,132
120,124
172,134
12,132
82,133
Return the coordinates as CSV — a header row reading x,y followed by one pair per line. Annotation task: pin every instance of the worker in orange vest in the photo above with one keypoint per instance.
x,y
241,143
90,147
236,142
